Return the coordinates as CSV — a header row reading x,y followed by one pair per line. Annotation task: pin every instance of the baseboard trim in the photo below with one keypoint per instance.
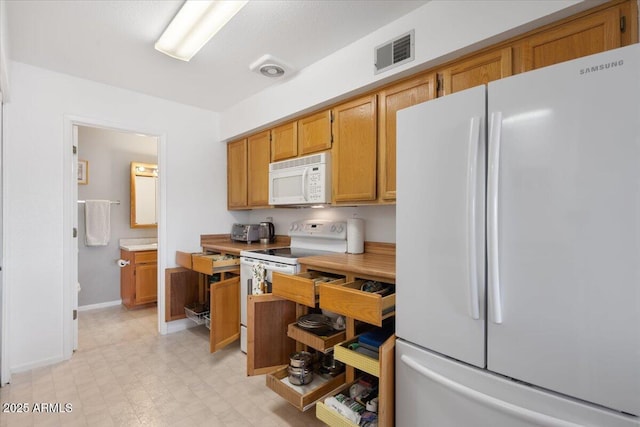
x,y
180,325
35,365
99,305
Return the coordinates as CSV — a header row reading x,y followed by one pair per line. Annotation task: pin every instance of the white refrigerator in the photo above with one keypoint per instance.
x,y
518,250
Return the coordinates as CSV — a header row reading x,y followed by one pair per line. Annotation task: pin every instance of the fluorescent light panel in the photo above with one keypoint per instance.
x,y
194,25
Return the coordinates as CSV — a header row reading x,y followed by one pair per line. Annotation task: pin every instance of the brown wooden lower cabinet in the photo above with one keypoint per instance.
x,y
139,279
181,289
273,335
268,346
212,278
224,302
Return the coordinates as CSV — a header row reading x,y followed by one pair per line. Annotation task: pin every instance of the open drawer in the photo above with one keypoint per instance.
x,y
362,362
303,397
301,288
331,417
383,368
317,342
207,263
347,299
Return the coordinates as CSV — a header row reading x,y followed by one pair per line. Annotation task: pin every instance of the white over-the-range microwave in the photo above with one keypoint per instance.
x,y
301,181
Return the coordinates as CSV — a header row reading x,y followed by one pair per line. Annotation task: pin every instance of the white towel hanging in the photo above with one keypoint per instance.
x,y
97,218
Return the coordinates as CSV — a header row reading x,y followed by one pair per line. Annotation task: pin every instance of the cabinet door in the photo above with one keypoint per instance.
x,y
127,279
268,345
391,100
237,174
477,70
354,152
284,142
259,147
314,133
181,289
225,313
585,36
146,283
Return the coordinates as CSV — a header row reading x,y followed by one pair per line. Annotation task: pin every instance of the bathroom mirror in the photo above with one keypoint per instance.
x,y
144,192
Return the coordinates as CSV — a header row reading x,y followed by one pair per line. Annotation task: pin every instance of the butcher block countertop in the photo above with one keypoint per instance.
x,y
379,260
223,243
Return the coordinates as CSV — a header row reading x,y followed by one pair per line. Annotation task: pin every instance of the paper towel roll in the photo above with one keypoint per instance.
x,y
355,235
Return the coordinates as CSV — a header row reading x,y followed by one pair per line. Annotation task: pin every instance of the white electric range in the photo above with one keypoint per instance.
x,y
308,237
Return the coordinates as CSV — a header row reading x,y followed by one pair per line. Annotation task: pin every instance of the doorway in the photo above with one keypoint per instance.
x,y
92,272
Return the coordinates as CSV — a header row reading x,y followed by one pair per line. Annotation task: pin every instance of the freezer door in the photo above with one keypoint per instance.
x,y
563,230
435,391
440,253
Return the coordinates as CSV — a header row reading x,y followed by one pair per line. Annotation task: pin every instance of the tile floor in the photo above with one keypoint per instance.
x,y
126,374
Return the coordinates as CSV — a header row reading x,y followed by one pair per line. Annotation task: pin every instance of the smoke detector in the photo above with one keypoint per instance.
x,y
269,66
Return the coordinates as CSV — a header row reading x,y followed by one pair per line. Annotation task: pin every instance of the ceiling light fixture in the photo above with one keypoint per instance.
x,y
194,25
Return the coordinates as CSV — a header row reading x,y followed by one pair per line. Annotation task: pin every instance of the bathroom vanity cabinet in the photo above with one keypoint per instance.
x,y
139,278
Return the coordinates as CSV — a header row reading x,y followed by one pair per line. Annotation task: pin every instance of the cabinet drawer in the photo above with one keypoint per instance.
x,y
183,259
357,360
365,363
207,263
303,397
317,342
214,263
347,299
145,257
332,418
301,288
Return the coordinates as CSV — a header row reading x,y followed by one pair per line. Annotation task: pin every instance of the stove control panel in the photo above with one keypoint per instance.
x,y
320,228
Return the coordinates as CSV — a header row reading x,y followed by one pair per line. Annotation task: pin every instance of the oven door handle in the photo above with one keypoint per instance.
x,y
286,269
268,266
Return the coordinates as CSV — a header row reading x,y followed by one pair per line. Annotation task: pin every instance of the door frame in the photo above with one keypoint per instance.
x,y
70,207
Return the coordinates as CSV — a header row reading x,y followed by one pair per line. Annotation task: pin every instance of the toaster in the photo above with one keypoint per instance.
x,y
245,232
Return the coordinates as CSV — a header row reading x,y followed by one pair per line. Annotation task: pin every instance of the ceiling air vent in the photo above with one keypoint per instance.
x,y
394,52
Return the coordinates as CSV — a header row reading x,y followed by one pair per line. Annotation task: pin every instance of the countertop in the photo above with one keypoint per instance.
x,y
370,264
223,243
379,260
139,244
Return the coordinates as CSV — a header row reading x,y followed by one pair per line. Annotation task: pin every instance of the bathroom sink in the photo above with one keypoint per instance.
x,y
139,247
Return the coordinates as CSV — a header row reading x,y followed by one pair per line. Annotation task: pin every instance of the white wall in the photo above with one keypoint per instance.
x,y
443,30
193,179
109,154
4,52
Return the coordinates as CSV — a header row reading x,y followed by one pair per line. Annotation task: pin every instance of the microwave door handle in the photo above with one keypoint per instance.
x,y
304,183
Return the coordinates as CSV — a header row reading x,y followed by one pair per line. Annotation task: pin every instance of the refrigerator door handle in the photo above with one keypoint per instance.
x,y
486,400
492,215
472,191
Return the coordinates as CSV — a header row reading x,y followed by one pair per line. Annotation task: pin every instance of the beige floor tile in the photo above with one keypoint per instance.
x,y
126,374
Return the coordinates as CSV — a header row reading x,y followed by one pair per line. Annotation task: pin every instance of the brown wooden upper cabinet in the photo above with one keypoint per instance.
x,y
477,70
354,150
584,36
390,100
237,174
259,156
314,133
284,142
305,136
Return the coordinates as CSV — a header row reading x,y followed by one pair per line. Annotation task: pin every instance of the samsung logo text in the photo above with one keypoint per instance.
x,y
601,67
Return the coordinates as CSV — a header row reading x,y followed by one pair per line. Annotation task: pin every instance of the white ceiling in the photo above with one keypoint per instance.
x,y
111,41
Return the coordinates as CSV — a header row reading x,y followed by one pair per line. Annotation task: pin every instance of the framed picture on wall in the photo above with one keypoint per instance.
x,y
83,172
